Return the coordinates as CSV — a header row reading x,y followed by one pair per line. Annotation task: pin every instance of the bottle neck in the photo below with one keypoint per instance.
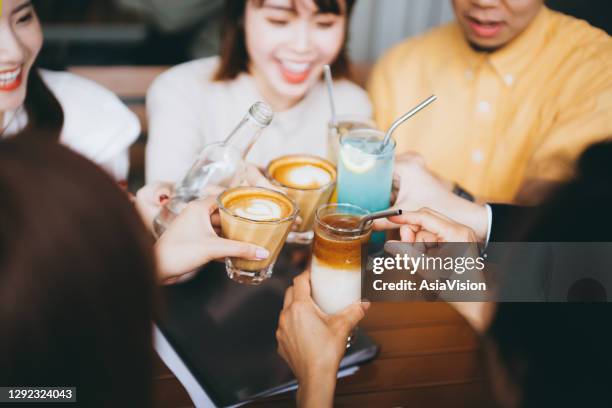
x,y
244,136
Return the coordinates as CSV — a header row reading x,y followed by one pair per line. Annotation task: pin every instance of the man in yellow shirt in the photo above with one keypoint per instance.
x,y
522,91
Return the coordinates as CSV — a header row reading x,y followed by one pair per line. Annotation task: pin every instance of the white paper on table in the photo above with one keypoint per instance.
x,y
197,394
165,351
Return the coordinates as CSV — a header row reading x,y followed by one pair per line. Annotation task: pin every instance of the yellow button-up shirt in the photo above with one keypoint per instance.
x,y
524,112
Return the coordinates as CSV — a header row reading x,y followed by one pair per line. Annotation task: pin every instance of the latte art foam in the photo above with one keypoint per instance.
x,y
258,209
302,172
308,175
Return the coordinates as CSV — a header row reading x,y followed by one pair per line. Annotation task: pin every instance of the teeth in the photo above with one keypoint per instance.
x,y
8,77
296,67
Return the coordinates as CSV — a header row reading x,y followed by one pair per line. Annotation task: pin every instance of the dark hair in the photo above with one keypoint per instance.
x,y
76,278
556,353
234,55
579,209
45,114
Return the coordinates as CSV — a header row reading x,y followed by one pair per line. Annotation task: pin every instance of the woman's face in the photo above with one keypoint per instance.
x,y
288,43
20,42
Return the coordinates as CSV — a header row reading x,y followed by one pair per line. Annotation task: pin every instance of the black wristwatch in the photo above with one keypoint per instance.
x,y
459,191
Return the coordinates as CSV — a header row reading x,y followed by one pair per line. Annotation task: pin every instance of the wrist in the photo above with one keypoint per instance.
x,y
468,213
476,217
165,266
317,390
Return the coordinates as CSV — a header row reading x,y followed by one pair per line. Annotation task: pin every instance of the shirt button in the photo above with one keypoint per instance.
x,y
509,79
484,107
477,156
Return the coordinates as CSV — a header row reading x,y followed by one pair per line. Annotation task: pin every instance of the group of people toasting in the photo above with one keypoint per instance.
x,y
522,92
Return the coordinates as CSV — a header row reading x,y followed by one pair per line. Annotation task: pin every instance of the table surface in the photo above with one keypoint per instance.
x,y
429,356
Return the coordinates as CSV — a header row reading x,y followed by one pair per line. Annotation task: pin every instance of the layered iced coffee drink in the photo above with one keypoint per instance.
x,y
309,181
259,216
336,256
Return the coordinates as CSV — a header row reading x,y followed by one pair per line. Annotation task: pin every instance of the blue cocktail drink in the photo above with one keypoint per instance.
x,y
365,174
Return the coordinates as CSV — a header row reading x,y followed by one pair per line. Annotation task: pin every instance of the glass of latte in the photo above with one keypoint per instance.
x,y
335,274
259,216
310,181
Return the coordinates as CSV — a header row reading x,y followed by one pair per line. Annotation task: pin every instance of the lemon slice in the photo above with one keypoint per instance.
x,y
355,160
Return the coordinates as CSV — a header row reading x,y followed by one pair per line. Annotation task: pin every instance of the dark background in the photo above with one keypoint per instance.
x,y
99,32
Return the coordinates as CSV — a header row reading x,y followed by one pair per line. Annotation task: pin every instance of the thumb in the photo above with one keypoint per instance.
x,y
350,316
222,247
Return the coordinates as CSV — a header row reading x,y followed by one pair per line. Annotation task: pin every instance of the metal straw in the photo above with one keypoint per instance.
x,y
404,118
330,92
377,215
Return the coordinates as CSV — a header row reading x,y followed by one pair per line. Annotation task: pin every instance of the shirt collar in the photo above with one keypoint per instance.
x,y
511,60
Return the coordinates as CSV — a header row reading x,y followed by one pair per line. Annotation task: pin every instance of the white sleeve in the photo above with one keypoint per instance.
x,y
118,167
174,139
490,222
96,123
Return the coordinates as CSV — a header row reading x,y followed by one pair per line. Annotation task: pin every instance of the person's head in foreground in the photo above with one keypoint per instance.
x,y
284,45
491,24
536,355
21,40
77,278
78,273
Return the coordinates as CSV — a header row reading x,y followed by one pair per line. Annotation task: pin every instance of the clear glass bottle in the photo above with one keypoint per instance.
x,y
221,164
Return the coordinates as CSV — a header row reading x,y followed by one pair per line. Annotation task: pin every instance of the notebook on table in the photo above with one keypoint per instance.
x,y
224,334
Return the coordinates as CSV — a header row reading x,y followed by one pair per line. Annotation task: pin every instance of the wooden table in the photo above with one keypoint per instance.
x,y
429,358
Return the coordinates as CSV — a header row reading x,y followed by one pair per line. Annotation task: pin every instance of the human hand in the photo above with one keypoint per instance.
x,y
313,343
427,225
190,242
430,227
150,199
416,186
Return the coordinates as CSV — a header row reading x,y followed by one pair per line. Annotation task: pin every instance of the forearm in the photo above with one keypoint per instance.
x,y
317,391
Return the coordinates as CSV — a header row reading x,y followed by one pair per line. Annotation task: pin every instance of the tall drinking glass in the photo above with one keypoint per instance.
x,y
365,173
335,274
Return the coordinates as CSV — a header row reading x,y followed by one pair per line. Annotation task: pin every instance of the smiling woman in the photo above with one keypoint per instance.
x,y
272,21
272,50
20,46
58,105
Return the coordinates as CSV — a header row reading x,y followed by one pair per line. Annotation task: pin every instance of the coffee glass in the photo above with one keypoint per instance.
x,y
335,274
343,125
310,181
259,216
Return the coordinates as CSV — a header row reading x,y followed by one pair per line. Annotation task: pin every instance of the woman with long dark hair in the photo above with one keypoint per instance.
x,y
272,50
61,106
78,272
77,278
